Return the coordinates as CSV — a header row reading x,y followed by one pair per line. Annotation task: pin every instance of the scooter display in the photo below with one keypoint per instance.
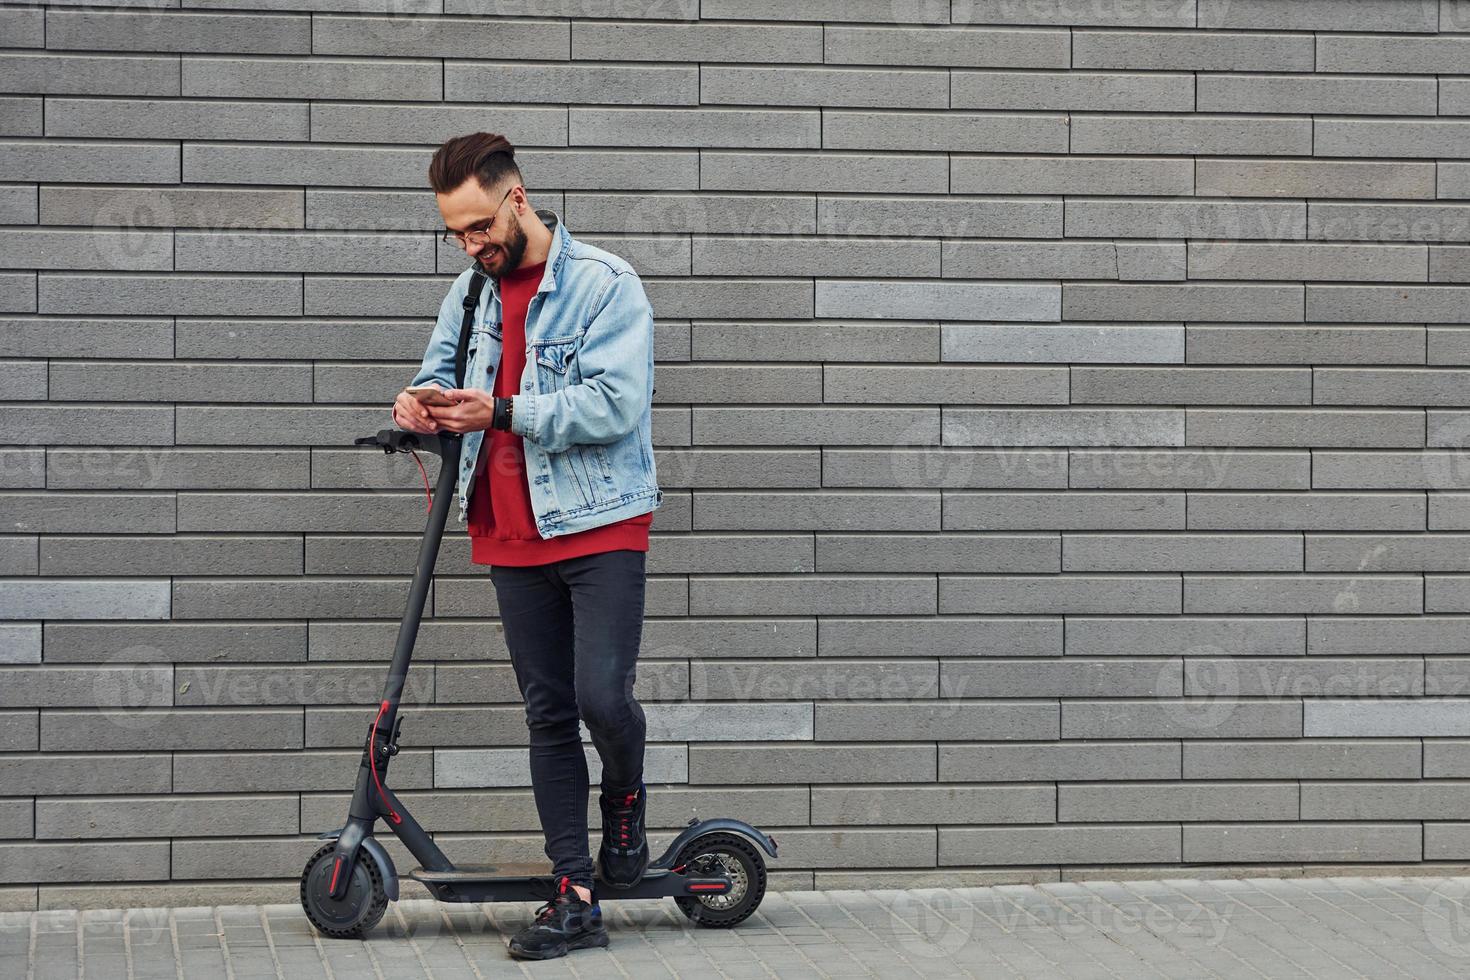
x,y
713,869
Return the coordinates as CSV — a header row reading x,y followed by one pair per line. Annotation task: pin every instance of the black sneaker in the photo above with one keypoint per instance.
x,y
623,856
564,923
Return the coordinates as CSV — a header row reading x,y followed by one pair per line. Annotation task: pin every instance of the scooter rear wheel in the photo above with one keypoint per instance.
x,y
357,911
732,855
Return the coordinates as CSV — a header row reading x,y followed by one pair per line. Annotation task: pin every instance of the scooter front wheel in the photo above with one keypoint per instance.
x,y
357,911
726,854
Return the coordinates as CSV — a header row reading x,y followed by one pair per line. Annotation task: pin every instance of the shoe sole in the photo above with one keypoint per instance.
x,y
582,942
623,885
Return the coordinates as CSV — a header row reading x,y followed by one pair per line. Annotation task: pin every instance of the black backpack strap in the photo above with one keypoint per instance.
x,y
471,302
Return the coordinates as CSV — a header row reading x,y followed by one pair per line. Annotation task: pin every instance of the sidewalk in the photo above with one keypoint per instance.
x,y
1256,927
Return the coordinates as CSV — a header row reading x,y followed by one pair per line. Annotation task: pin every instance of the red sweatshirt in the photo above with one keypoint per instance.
x,y
502,526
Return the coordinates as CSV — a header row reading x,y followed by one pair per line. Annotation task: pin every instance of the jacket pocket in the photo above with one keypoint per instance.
x,y
554,363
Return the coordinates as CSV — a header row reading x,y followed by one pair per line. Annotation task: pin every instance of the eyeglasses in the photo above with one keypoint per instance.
x,y
476,236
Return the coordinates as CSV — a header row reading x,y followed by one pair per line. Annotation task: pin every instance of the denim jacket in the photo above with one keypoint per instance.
x,y
584,403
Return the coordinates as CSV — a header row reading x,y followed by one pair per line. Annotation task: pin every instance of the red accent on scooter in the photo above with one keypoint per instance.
x,y
373,762
336,867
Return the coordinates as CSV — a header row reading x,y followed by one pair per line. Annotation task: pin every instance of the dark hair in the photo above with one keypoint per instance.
x,y
486,156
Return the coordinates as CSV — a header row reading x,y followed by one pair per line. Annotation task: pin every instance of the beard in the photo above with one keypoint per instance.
x,y
510,253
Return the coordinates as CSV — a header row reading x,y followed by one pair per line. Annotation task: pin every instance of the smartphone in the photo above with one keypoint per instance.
x,y
430,395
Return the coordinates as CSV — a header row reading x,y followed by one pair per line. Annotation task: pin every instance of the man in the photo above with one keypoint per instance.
x,y
559,504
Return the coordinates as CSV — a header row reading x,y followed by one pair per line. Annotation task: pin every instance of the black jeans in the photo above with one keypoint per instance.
x,y
574,628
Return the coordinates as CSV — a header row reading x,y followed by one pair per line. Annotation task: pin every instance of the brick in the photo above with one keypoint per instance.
x,y
840,425
1388,222
68,775
861,552
963,132
1061,678
1063,510
1362,15
890,88
1370,53
774,299
20,116
1057,844
182,31
1241,177
946,468
1399,137
933,804
1358,95
1058,594
1192,134
814,257
23,27
941,217
1063,342
824,511
108,861
1062,426
812,341
1303,594
1200,218
1022,762
20,643
166,729
19,731
1186,802
731,170
916,720
1064,12
1307,512
1305,759
163,207
1003,301
479,81
879,11
782,763
1301,842
176,469
104,687
87,74
1191,385
219,816
812,680
78,162
971,47
286,598
1194,51
944,636
1386,304
796,129
738,43
400,79
805,594
524,126
1073,90
1182,552
433,36
683,214
88,599
1070,175
1189,718
633,9
18,203
1305,344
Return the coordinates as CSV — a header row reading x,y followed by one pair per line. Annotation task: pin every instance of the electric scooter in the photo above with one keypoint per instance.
x,y
713,869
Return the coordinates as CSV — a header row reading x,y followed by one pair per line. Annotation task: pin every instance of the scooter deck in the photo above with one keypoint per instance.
x,y
524,882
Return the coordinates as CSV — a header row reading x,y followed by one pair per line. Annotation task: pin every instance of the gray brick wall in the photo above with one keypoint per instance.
x,y
1060,412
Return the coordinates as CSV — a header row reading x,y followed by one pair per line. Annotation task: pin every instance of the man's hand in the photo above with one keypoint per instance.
x,y
411,414
474,412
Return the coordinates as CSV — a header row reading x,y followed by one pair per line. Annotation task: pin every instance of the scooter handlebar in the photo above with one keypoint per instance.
x,y
402,441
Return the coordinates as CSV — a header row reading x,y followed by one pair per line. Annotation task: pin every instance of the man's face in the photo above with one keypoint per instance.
x,y
470,208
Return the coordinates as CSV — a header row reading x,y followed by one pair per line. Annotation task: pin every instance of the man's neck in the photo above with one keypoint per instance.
x,y
538,242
